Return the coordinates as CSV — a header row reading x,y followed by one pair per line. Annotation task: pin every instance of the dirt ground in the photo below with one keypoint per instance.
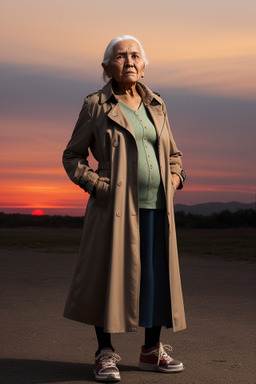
x,y
39,346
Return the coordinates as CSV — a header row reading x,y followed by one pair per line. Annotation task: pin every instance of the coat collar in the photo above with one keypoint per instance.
x,y
148,97
151,100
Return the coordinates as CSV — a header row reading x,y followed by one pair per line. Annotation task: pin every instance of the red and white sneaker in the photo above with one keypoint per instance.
x,y
157,359
105,368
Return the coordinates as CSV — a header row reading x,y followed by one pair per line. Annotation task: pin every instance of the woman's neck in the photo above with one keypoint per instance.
x,y
128,94
126,90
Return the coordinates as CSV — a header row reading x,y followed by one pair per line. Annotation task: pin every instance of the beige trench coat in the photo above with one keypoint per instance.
x,y
106,284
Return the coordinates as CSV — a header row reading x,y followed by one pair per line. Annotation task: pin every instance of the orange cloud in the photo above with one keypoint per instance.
x,y
246,189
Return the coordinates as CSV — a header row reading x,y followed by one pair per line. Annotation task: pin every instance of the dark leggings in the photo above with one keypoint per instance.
x,y
152,337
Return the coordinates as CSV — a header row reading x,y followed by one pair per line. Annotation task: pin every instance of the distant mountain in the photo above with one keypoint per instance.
x,y
207,209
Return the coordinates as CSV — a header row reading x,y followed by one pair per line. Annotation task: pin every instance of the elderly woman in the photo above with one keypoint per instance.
x,y
127,273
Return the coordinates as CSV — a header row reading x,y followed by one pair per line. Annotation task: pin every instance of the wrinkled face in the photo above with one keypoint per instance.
x,y
126,65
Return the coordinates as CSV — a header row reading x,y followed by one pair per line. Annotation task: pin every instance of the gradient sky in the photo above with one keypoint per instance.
x,y
202,56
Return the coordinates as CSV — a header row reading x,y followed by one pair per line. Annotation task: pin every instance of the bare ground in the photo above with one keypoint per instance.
x,y
39,346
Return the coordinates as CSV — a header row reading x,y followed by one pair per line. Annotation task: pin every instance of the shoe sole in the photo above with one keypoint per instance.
x,y
108,378
155,368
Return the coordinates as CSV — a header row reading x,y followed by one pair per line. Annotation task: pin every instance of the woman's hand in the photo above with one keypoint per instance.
x,y
176,180
104,179
102,191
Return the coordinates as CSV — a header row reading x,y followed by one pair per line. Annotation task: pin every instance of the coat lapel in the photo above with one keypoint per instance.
x,y
118,116
158,117
152,102
113,108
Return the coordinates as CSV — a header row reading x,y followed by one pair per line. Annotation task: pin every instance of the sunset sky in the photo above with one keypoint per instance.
x,y
202,61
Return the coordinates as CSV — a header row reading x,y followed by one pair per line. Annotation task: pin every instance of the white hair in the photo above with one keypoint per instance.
x,y
110,48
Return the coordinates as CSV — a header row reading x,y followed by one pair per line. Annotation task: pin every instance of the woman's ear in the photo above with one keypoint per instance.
x,y
143,73
106,70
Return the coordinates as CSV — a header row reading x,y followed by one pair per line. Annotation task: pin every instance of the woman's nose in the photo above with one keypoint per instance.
x,y
129,61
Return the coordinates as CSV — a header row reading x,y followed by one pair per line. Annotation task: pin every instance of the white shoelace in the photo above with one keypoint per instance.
x,y
162,354
108,359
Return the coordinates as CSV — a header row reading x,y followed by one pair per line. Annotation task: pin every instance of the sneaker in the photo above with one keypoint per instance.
x,y
157,359
105,368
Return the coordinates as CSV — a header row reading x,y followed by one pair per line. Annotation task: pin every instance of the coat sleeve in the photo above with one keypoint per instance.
x,y
175,156
75,156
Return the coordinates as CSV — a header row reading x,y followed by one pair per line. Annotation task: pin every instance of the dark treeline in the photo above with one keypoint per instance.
x,y
224,219
12,220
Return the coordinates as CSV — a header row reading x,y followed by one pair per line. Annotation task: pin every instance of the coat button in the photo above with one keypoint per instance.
x,y
119,183
115,144
118,213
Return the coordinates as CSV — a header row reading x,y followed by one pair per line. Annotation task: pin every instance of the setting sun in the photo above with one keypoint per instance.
x,y
37,212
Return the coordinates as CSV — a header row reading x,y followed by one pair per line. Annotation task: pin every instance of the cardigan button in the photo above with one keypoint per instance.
x,y
118,213
115,144
119,183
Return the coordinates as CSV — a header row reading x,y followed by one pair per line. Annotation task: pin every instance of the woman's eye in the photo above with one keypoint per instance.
x,y
135,56
119,57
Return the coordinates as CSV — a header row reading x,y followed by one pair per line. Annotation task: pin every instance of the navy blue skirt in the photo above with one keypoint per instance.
x,y
155,300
